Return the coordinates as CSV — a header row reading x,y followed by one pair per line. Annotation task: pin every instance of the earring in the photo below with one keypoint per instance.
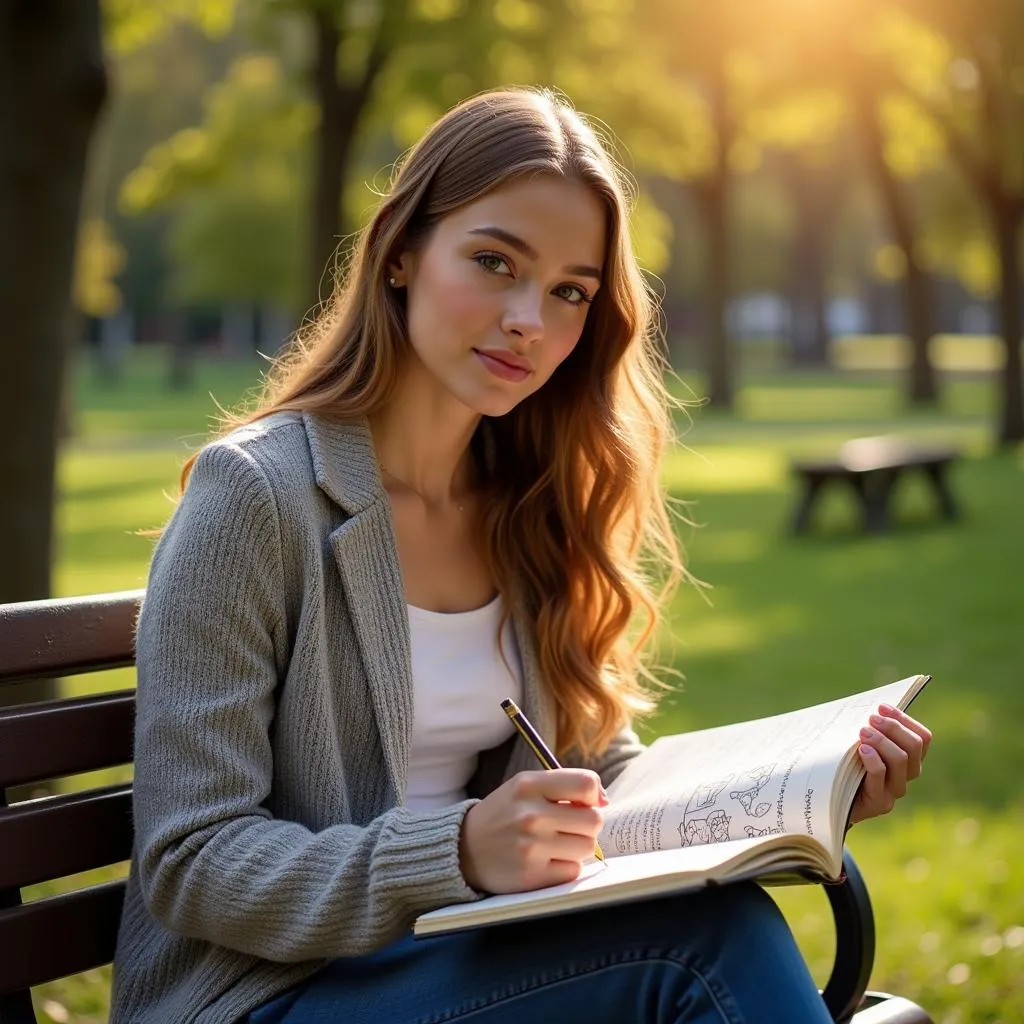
x,y
392,281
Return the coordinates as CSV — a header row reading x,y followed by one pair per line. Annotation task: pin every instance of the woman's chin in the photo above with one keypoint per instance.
x,y
495,409
491,403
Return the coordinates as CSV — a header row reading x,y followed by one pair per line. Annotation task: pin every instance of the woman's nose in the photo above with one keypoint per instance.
x,y
524,318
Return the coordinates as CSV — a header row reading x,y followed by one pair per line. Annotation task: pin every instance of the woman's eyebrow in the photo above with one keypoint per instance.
x,y
517,243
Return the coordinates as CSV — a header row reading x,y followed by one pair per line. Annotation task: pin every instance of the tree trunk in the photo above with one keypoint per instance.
x,y
341,106
809,334
52,61
329,155
180,355
809,302
715,196
114,346
1008,216
275,328
52,88
238,330
922,387
922,382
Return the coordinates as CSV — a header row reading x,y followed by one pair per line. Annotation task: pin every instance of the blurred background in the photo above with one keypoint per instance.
x,y
830,203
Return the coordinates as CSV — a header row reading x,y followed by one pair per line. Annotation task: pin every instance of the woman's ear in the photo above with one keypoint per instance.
x,y
400,269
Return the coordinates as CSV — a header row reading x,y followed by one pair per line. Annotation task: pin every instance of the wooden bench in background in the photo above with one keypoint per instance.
x,y
50,837
871,467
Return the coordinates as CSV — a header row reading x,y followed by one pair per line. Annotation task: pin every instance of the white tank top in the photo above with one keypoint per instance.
x,y
459,681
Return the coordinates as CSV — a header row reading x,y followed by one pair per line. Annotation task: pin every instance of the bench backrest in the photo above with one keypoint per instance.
x,y
53,836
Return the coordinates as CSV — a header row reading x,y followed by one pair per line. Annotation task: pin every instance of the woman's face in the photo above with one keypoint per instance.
x,y
498,295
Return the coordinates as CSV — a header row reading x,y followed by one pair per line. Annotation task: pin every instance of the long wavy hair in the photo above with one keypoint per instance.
x,y
575,528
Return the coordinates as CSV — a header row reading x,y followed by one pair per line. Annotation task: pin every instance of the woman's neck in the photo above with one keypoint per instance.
x,y
422,442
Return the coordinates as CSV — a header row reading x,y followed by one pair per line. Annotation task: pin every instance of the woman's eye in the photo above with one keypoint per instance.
x,y
493,263
573,294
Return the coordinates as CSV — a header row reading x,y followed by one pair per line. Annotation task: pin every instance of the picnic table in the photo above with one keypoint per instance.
x,y
870,467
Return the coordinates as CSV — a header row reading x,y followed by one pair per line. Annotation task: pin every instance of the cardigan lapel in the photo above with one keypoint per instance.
x,y
372,579
344,461
366,554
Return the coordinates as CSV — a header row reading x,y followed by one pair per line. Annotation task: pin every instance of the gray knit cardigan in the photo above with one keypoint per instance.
x,y
272,738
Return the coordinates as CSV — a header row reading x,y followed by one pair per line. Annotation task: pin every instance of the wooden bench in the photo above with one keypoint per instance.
x,y
871,467
53,836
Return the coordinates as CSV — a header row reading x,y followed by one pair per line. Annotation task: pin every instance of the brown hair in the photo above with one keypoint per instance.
x,y
576,528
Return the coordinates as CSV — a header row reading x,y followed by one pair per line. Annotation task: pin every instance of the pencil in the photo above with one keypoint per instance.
x,y
548,760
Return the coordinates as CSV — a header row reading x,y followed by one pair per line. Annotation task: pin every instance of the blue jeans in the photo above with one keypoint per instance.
x,y
719,956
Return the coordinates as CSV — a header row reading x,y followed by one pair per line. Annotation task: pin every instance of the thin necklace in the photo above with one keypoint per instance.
x,y
408,486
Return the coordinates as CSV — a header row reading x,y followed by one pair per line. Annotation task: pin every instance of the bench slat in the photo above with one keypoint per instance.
x,y
34,836
62,935
68,635
62,737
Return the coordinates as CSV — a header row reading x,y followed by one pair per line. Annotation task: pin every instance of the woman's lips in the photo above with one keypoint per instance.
x,y
502,369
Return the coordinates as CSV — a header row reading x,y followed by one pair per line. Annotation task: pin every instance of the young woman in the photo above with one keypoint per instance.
x,y
448,495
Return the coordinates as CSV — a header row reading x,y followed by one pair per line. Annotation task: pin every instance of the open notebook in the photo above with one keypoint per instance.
x,y
767,799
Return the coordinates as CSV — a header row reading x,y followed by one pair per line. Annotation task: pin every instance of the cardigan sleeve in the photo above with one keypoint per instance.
x,y
213,863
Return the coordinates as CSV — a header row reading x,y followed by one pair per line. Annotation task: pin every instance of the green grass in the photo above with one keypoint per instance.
x,y
795,621
786,622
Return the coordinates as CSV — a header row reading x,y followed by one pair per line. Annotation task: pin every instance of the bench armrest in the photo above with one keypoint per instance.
x,y
855,942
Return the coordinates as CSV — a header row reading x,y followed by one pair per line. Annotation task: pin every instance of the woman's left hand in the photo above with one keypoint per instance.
x,y
892,747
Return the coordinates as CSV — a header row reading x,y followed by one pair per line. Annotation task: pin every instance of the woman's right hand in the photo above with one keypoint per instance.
x,y
534,830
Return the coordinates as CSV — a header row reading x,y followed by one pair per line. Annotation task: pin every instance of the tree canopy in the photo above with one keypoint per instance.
x,y
751,128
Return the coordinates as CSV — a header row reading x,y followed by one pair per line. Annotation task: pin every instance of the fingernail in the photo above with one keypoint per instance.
x,y
868,734
875,719
865,749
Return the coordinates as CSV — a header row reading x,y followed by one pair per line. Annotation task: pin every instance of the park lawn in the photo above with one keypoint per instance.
x,y
790,622
784,622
